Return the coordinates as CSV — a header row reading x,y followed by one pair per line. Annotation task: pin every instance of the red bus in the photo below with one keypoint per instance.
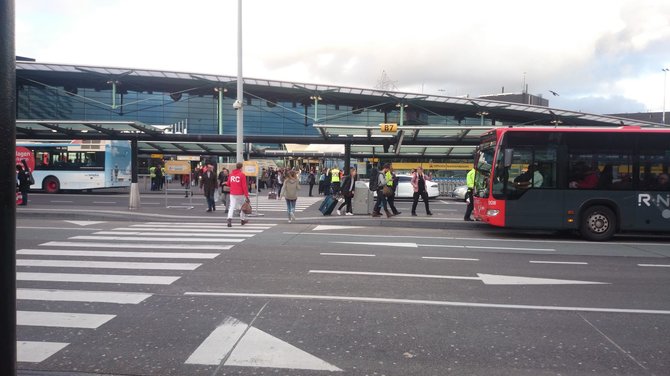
x,y
598,181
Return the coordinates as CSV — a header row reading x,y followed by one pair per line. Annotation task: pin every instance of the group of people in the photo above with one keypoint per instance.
x,y
386,186
157,176
233,186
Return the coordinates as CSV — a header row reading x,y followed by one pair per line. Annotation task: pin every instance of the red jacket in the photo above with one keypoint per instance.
x,y
238,183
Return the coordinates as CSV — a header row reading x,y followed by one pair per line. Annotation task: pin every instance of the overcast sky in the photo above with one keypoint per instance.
x,y
601,56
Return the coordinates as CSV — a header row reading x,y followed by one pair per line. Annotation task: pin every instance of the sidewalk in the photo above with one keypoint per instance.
x,y
265,210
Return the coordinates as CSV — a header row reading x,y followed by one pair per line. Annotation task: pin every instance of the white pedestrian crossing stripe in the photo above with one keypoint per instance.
x,y
191,238
117,297
137,245
133,254
144,244
96,278
35,352
62,319
108,264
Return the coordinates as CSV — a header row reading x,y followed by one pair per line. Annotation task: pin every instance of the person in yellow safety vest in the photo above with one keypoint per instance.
x,y
335,180
392,183
162,179
152,176
470,181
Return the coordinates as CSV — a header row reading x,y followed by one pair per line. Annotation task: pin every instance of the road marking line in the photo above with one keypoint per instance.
x,y
219,343
429,302
492,239
62,201
58,228
347,254
158,238
117,297
334,227
260,349
97,278
559,262
140,246
238,344
61,319
415,245
85,223
132,254
655,265
449,258
487,279
266,225
393,274
150,203
107,264
104,202
152,233
220,229
35,352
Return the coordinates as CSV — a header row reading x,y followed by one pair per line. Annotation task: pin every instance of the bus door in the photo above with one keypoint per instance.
x,y
526,176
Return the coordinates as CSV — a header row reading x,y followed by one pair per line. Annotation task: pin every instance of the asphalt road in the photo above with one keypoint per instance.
x,y
193,297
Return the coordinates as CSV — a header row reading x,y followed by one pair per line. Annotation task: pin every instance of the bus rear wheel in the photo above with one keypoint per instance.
x,y
51,185
598,223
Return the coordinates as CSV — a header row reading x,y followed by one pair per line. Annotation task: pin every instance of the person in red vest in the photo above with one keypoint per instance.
x,y
239,193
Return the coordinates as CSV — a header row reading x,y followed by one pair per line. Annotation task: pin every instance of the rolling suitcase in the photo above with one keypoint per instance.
x,y
328,205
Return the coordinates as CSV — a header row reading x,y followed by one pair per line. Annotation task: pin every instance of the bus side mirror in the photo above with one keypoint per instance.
x,y
507,157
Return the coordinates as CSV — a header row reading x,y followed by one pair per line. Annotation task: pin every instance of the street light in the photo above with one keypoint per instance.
x,y
316,99
482,114
665,76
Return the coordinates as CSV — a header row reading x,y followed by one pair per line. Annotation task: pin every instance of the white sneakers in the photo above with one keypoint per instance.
x,y
346,213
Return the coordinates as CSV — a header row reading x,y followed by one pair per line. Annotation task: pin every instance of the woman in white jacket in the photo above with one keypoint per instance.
x,y
289,191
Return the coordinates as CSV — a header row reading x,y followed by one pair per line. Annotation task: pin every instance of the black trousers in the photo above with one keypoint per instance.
x,y
311,186
347,202
24,194
424,197
471,204
391,202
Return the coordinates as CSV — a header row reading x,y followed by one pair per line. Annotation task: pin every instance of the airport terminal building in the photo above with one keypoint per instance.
x,y
277,114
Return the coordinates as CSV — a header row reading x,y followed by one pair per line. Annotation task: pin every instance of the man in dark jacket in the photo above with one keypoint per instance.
x,y
209,185
23,176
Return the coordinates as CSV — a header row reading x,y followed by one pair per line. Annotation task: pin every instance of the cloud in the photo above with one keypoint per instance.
x,y
577,48
598,105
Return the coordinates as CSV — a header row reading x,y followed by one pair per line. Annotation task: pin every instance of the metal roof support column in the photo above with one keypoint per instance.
x,y
134,202
7,190
220,115
347,157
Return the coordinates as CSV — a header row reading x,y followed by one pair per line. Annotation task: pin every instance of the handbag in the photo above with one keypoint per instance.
x,y
272,196
225,188
246,207
388,192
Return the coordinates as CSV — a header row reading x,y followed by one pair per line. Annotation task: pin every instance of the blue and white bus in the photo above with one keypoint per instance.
x,y
77,165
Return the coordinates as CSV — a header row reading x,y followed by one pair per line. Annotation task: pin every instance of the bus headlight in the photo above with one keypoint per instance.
x,y
492,212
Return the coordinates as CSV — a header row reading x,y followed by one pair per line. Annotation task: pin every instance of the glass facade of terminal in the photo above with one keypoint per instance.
x,y
200,112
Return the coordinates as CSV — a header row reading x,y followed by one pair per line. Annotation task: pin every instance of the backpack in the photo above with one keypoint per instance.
x,y
374,183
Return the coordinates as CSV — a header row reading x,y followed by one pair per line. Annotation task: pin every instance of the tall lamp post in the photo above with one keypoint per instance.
x,y
665,81
238,105
482,114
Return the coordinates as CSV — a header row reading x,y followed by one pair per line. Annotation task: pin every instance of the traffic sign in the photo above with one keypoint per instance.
x,y
388,127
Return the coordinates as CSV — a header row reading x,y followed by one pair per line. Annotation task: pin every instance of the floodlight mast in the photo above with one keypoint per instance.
x,y
238,105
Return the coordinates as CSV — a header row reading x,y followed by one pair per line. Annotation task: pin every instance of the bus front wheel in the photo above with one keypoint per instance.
x,y
51,184
598,223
